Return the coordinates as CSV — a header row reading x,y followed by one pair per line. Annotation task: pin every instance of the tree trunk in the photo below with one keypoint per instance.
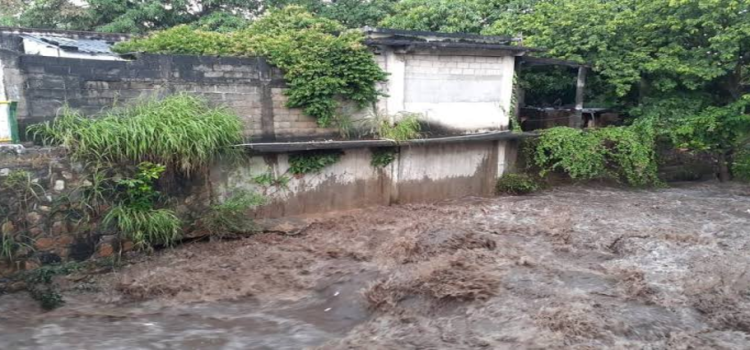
x,y
724,175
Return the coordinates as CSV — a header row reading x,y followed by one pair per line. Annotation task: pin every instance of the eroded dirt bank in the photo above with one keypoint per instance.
x,y
574,267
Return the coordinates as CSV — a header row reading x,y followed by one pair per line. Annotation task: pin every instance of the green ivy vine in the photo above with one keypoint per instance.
x,y
321,60
312,162
383,157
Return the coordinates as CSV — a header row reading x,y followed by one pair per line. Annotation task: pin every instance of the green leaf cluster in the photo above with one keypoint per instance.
x,y
622,153
321,60
517,184
383,157
312,162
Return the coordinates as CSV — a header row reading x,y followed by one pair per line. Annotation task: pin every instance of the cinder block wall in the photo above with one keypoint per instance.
x,y
460,92
249,86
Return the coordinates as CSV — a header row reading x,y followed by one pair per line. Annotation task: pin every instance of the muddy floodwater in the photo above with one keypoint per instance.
x,y
576,267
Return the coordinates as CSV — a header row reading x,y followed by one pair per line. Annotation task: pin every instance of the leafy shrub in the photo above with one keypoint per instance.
x,y
383,157
231,216
625,153
180,132
145,227
139,192
320,59
311,162
517,184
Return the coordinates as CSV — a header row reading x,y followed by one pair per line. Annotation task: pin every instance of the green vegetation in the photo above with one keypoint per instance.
x,y
406,127
10,243
312,162
321,60
181,132
622,153
134,215
517,184
124,16
269,179
741,165
19,192
145,227
40,284
231,216
383,157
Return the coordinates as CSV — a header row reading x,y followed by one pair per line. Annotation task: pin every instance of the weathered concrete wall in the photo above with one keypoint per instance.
x,y
418,174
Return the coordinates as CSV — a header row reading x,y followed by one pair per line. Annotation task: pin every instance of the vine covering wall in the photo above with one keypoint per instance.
x,y
321,60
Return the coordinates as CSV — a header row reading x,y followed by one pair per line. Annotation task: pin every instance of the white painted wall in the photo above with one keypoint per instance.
x,y
469,93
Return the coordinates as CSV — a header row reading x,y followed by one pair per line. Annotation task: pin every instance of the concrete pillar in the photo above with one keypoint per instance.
x,y
577,121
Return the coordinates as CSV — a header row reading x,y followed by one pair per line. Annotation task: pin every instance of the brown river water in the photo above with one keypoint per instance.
x,y
570,268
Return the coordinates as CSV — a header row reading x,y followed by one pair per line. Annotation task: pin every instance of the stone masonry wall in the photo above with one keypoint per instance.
x,y
55,224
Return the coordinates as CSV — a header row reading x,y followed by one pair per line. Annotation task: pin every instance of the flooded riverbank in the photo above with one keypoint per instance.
x,y
574,267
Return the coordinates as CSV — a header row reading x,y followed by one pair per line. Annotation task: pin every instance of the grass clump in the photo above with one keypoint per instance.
x,y
181,132
407,127
231,216
145,227
517,184
311,162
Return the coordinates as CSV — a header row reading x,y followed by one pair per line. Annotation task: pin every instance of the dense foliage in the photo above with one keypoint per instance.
x,y
179,135
621,153
125,16
321,60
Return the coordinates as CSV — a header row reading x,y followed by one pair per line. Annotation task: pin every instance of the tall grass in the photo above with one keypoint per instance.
x,y
181,132
406,127
231,217
145,227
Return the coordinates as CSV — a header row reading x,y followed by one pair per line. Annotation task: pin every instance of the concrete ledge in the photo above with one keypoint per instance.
x,y
282,147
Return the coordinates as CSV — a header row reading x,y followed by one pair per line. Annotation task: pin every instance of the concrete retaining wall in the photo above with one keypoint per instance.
x,y
419,174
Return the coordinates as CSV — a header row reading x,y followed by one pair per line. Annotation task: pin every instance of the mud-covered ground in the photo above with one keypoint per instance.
x,y
575,268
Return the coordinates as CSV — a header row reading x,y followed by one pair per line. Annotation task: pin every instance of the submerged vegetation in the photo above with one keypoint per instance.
x,y
517,184
231,217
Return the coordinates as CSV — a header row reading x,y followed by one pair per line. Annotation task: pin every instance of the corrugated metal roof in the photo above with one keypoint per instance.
x,y
89,46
